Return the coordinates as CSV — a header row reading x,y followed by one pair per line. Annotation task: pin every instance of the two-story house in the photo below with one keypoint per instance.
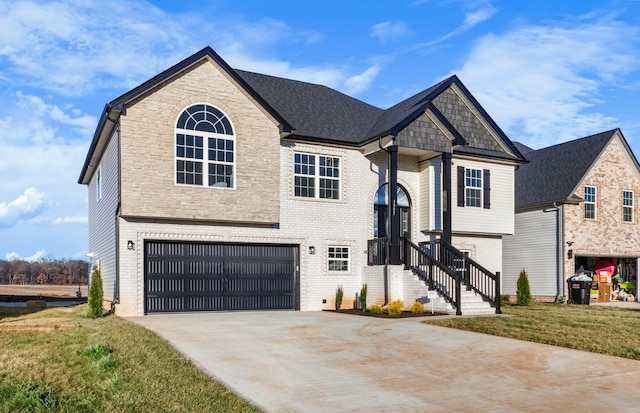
x,y
212,188
575,208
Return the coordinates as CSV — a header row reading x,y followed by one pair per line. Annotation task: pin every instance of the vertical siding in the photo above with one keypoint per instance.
x,y
499,218
532,247
102,221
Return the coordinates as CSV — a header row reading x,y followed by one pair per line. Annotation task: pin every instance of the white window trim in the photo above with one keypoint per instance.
x,y
631,207
205,150
348,259
594,203
317,176
478,188
99,184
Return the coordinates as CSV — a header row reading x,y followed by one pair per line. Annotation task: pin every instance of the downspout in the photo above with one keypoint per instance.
x,y
559,253
116,298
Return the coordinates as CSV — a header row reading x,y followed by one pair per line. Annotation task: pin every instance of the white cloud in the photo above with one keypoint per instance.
x,y
390,31
358,83
543,84
12,256
70,220
476,17
73,49
29,204
471,20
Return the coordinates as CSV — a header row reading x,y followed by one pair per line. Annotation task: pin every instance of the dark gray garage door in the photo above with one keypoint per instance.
x,y
190,276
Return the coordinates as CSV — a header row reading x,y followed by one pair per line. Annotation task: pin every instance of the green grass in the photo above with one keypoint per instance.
x,y
598,329
107,364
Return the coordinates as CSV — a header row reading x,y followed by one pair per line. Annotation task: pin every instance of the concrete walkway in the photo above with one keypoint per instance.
x,y
285,361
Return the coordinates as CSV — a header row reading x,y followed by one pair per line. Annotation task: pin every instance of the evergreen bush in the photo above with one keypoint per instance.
x,y
523,290
339,295
363,297
96,295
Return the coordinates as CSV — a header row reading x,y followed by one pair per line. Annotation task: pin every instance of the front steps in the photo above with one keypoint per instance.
x,y
472,303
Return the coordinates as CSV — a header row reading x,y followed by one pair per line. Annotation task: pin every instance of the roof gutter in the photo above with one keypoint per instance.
x,y
100,137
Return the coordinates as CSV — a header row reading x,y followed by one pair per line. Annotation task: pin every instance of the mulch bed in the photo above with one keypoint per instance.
x,y
404,314
25,298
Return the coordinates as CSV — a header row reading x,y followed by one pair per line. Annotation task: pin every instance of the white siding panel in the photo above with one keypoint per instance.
x,y
496,220
102,217
532,247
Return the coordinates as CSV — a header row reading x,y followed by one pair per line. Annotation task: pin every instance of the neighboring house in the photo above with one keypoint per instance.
x,y
212,188
575,205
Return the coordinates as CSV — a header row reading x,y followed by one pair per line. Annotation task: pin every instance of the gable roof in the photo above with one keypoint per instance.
x,y
553,173
314,112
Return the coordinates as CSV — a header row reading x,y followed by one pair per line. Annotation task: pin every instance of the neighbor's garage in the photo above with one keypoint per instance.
x,y
193,276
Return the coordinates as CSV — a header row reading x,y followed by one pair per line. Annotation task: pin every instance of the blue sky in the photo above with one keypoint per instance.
x,y
546,71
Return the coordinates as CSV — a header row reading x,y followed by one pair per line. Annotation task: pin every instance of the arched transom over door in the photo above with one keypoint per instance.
x,y
380,212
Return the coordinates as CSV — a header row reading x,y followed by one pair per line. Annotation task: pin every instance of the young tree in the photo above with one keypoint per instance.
x,y
523,290
96,295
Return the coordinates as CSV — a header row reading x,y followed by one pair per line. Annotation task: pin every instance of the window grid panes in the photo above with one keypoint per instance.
x,y
316,176
338,259
210,150
590,202
627,206
473,187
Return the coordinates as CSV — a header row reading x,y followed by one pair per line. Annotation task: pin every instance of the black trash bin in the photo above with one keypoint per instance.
x,y
579,291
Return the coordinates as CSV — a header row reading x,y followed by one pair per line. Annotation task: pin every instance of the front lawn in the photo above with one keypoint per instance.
x,y
56,360
598,329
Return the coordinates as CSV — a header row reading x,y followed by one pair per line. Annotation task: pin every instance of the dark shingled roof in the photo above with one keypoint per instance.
x,y
314,111
553,173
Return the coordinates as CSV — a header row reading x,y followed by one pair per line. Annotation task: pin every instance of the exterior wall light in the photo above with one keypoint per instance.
x,y
312,250
130,245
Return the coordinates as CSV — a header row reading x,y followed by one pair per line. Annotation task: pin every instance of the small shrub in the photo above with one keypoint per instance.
x,y
376,309
561,300
505,299
96,295
339,295
363,297
417,308
395,308
523,290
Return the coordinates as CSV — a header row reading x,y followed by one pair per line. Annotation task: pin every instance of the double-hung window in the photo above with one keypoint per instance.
x,y
590,202
205,148
473,187
316,176
627,206
338,259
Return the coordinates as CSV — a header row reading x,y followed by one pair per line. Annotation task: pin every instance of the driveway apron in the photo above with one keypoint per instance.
x,y
286,361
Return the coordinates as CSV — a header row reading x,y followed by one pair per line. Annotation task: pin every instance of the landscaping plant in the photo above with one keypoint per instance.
x,y
376,309
395,308
417,308
363,297
96,295
523,290
339,295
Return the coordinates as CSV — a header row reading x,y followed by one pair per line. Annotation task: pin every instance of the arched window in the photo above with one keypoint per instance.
x,y
380,203
205,147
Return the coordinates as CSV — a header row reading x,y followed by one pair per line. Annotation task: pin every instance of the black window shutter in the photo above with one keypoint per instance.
x,y
487,188
461,186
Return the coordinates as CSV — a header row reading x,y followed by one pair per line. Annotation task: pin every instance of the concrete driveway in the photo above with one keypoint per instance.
x,y
286,361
